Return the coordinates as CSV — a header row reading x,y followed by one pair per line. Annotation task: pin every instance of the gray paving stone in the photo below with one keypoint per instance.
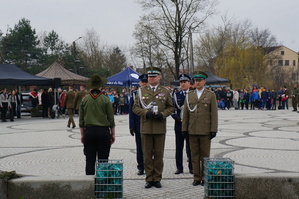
x,y
258,142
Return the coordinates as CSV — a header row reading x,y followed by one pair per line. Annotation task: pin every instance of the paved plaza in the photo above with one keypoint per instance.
x,y
258,141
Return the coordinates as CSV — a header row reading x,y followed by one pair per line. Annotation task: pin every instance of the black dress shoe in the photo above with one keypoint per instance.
x,y
140,172
196,183
157,184
191,171
148,185
202,183
178,172
74,126
68,126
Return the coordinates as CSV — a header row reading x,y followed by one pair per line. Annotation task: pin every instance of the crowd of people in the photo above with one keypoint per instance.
x,y
259,98
44,100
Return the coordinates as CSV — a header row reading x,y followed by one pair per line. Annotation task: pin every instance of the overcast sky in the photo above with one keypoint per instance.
x,y
114,20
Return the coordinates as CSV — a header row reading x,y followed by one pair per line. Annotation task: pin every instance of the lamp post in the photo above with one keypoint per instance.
x,y
75,55
191,52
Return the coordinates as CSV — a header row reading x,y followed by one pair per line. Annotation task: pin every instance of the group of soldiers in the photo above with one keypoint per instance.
x,y
72,102
196,121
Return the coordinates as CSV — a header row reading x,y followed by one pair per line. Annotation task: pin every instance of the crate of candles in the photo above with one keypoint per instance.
x,y
109,179
219,178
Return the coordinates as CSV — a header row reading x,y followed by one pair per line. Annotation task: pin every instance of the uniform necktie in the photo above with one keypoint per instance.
x,y
153,89
184,93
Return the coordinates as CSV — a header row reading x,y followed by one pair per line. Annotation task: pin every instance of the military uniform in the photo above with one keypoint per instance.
x,y
78,98
69,105
200,120
153,130
295,98
134,123
178,101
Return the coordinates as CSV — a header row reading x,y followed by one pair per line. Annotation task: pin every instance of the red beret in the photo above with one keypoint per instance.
x,y
71,85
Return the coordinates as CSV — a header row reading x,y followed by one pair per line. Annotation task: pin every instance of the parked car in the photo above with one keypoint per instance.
x,y
26,103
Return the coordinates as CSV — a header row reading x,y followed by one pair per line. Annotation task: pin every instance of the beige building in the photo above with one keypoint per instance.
x,y
282,57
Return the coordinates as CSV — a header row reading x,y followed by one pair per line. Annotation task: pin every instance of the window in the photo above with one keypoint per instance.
x,y
294,62
287,62
282,52
280,62
271,62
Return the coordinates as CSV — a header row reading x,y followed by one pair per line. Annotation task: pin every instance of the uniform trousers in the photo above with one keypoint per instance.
x,y
139,154
179,147
70,112
97,144
294,103
200,148
153,152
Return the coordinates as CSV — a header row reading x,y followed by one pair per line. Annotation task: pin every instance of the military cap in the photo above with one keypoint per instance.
x,y
96,81
143,78
153,71
71,86
199,75
184,77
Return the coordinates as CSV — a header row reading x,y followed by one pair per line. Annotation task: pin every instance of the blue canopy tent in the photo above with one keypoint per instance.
x,y
127,78
12,75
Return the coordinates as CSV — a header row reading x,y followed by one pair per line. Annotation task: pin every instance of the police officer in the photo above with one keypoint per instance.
x,y
69,105
134,126
153,103
97,126
178,99
200,121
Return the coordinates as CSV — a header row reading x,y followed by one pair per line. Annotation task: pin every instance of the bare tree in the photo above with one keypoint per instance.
x,y
262,38
146,45
173,20
92,51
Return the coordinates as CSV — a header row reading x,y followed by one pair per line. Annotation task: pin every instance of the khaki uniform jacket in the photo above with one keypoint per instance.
x,y
205,118
296,93
163,100
78,99
69,100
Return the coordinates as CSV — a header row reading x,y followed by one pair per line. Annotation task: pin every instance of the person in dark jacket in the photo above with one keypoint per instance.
x,y
45,103
178,101
229,98
97,126
134,126
34,98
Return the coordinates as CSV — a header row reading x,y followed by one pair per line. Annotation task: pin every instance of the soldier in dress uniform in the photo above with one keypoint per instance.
x,y
134,126
79,95
69,105
178,99
153,103
200,121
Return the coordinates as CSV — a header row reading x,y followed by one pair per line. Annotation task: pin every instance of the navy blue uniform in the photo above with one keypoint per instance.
x,y
134,123
179,99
